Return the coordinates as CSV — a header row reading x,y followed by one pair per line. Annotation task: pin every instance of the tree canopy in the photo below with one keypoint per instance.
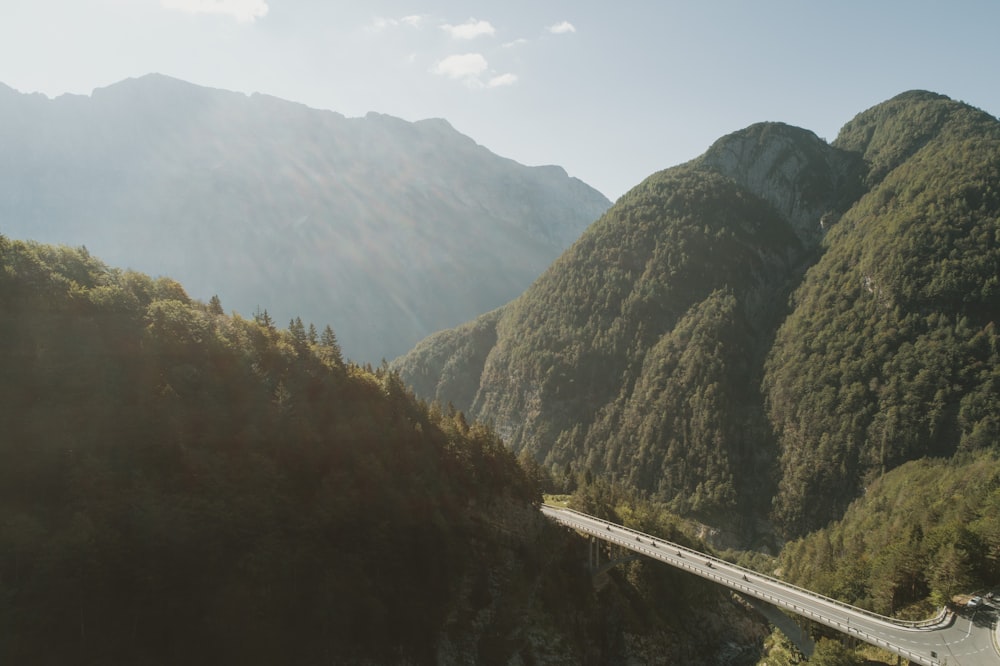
x,y
181,486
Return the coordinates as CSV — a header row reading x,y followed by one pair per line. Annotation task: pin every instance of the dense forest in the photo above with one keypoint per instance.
x,y
926,531
757,335
182,486
601,365
891,351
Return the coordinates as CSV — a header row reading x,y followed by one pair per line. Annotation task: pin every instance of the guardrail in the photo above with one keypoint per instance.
x,y
845,627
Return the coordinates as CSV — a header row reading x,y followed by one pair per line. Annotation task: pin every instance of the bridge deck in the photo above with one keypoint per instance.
x,y
943,639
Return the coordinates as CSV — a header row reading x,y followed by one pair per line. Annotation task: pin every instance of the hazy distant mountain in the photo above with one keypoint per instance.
x,y
663,350
385,229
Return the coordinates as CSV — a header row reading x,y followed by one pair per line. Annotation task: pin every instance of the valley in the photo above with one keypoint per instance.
x,y
782,354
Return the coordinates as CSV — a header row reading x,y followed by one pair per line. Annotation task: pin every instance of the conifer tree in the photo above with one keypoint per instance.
x,y
330,347
263,318
215,305
298,331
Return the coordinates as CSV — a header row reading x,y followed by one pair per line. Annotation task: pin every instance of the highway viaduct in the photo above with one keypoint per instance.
x,y
947,639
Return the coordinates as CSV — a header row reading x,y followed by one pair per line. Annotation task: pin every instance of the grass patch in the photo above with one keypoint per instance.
x,y
561,501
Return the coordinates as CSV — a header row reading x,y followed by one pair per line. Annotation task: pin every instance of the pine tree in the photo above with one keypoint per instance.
x,y
215,305
330,347
298,331
263,318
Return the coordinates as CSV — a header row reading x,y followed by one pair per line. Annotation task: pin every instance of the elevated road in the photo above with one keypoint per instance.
x,y
946,639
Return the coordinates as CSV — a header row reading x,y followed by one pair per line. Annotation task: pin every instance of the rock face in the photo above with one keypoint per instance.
x,y
806,180
385,229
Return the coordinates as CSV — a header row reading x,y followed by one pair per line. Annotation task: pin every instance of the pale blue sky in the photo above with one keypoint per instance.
x,y
610,91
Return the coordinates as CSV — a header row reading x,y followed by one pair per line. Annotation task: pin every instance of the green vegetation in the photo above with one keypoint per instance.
x,y
833,653
891,351
210,489
779,651
756,336
648,597
630,356
922,533
179,486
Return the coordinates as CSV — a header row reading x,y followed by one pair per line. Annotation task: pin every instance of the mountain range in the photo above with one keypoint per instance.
x,y
384,229
758,334
782,337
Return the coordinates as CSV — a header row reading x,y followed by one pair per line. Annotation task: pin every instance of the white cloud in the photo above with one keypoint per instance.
x,y
502,80
380,23
516,42
467,66
469,30
562,28
244,11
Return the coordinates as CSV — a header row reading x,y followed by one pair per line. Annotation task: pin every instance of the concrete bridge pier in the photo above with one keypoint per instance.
x,y
593,554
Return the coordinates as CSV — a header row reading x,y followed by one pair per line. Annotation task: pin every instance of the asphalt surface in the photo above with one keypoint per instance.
x,y
965,639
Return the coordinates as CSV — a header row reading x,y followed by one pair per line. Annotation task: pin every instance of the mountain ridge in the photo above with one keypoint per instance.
x,y
711,341
385,229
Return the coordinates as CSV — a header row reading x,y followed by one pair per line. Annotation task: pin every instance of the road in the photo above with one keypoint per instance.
x,y
948,639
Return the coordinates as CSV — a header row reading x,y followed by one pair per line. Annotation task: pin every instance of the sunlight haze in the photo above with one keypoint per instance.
x,y
610,92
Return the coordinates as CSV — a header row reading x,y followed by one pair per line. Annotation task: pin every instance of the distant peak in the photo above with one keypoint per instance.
x,y
151,79
766,131
919,96
156,84
436,123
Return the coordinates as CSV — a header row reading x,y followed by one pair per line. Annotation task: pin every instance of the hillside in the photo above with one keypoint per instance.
x,y
182,486
385,229
760,332
925,531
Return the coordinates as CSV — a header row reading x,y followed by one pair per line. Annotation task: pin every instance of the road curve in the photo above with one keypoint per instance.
x,y
947,639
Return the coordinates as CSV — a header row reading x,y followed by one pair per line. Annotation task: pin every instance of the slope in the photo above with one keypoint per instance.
x,y
662,348
890,351
923,533
180,486
386,229
638,353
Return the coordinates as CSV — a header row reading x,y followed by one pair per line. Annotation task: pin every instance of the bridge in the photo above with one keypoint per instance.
x,y
946,640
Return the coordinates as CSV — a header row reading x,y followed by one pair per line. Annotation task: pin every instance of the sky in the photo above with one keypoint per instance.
x,y
610,91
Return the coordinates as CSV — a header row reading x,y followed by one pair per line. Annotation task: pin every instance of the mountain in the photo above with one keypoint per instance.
x,y
929,528
182,486
385,229
759,333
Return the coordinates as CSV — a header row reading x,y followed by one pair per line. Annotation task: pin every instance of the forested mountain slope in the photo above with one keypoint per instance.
x,y
388,230
891,350
178,486
663,348
927,530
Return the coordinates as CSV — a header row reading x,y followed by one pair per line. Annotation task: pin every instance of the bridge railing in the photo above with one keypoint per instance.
x,y
844,627
913,624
